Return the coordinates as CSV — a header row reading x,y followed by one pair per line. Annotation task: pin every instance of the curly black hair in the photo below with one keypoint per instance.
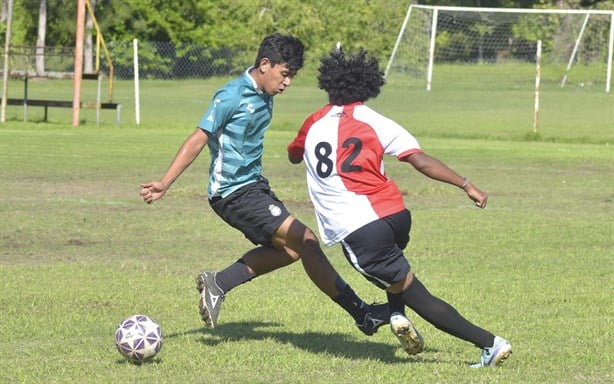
x,y
282,49
350,78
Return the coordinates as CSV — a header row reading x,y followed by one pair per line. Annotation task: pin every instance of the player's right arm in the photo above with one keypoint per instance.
x,y
296,149
188,152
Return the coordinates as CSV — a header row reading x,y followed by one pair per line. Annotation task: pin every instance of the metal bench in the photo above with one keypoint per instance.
x,y
27,102
64,104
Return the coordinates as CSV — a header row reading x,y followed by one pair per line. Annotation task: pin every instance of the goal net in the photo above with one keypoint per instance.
x,y
495,48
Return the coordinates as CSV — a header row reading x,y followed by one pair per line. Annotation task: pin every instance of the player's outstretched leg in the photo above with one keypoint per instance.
x,y
379,314
500,350
211,298
409,337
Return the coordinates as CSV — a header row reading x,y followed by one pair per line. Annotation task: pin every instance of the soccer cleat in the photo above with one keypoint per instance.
x,y
501,350
211,298
409,337
379,314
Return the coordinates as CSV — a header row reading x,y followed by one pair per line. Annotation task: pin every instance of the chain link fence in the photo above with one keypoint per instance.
x,y
165,60
156,60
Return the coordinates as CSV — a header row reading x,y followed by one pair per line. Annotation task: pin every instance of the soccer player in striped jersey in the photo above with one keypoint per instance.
x,y
233,129
357,205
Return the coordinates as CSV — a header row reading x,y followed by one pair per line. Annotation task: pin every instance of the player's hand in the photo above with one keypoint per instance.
x,y
479,198
152,191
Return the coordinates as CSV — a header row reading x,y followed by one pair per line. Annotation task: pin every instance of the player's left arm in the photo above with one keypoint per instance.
x,y
437,170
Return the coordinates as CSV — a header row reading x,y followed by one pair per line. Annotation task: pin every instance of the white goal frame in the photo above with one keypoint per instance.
x,y
433,32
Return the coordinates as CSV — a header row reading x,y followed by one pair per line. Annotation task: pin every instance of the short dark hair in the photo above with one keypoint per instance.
x,y
282,49
350,78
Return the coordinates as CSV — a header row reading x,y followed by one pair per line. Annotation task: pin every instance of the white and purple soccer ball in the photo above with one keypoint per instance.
x,y
138,338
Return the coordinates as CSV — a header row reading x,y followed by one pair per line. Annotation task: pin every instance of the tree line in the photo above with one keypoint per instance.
x,y
236,24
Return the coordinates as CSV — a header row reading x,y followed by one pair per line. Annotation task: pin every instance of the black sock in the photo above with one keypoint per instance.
x,y
396,303
443,316
234,275
348,300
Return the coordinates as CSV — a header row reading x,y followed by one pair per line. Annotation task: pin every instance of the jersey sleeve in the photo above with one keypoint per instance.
x,y
399,142
296,148
219,112
394,138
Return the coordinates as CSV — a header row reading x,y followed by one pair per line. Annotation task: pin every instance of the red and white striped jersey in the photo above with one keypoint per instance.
x,y
343,148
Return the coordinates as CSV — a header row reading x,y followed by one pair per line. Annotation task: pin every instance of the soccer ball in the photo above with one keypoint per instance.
x,y
138,338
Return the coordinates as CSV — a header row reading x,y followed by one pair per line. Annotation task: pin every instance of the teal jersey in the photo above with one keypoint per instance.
x,y
236,121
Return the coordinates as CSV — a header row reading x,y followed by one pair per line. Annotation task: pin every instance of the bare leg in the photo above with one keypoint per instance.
x,y
263,260
293,240
296,239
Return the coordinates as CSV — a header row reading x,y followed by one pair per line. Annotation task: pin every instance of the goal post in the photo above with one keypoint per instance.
x,y
439,46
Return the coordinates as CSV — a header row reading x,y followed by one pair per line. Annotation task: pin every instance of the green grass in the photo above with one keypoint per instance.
x,y
79,250
502,76
572,114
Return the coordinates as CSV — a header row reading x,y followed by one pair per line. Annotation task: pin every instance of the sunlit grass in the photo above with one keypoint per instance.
x,y
79,251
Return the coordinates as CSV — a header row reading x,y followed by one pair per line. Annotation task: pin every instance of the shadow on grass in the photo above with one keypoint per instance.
x,y
340,345
125,361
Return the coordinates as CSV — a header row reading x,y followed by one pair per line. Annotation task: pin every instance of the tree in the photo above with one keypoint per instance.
x,y
40,40
88,48
197,28
4,12
482,30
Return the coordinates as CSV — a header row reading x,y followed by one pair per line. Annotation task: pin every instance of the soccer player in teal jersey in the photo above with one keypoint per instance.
x,y
233,129
236,121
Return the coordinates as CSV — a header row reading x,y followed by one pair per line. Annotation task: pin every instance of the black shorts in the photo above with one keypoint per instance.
x,y
376,249
254,210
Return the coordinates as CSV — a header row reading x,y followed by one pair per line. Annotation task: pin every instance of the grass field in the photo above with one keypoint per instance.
x,y
80,251
572,114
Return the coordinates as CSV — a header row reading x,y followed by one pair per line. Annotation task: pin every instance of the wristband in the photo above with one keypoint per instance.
x,y
465,183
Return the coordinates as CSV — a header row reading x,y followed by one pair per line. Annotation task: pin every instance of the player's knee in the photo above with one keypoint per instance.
x,y
310,241
301,239
309,236
292,255
401,285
